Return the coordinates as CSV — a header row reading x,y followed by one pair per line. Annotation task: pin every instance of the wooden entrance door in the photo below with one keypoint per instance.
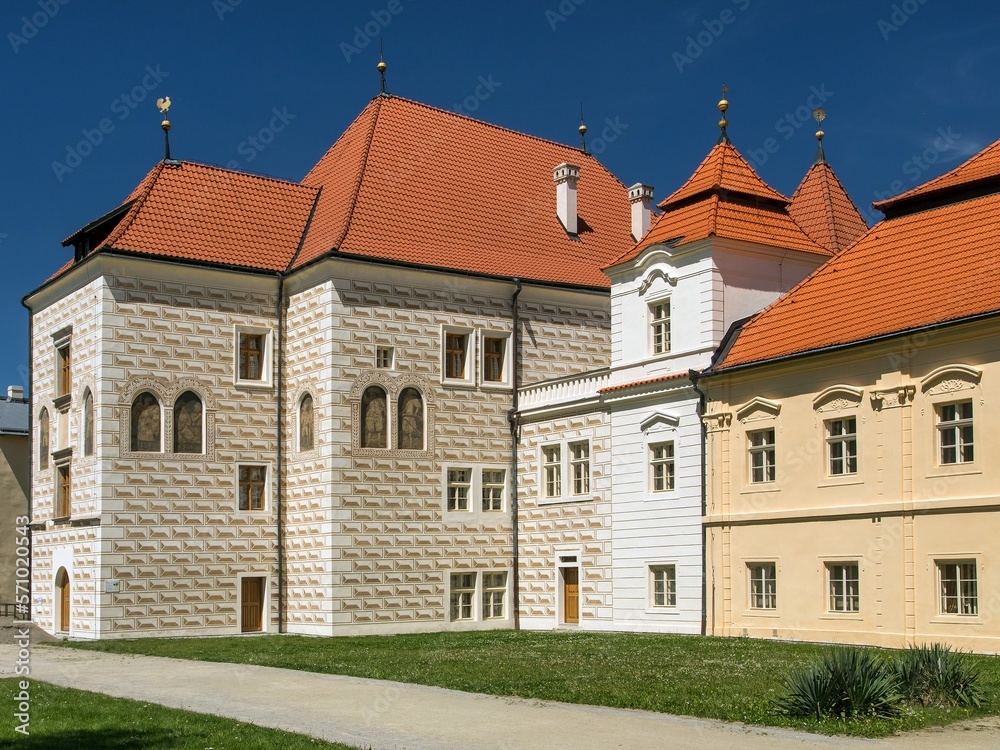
x,y
65,599
252,609
571,595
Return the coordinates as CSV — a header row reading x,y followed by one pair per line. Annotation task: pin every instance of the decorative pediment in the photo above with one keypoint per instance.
x,y
951,378
838,398
659,421
718,421
653,275
892,398
758,408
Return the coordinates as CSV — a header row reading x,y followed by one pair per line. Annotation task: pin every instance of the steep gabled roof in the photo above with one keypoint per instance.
x,y
411,183
189,211
923,267
821,206
725,197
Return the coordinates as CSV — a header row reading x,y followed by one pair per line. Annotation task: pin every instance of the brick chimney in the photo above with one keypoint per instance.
x,y
566,176
641,198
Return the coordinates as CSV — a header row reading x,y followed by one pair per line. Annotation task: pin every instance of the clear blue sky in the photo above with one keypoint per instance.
x,y
909,87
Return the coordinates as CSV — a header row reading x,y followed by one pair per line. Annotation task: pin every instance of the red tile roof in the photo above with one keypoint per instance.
x,y
725,198
647,381
922,268
984,166
412,183
821,206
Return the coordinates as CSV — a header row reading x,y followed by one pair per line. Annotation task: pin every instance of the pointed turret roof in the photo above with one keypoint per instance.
x,y
821,206
926,265
725,197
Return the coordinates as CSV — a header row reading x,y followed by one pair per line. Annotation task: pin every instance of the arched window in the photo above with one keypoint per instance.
x,y
411,419
88,423
306,423
188,423
43,439
374,418
64,600
146,423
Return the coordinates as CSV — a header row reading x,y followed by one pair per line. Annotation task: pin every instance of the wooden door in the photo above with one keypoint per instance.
x,y
65,604
252,610
571,595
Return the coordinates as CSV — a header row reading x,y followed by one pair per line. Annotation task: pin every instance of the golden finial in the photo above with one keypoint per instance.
x,y
819,114
381,67
163,104
583,131
723,122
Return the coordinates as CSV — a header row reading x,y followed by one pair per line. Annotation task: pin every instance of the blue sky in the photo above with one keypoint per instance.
x,y
909,87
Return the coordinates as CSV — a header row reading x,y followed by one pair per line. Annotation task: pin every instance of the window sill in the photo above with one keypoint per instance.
x,y
955,470
60,520
495,386
771,614
453,383
62,403
849,480
565,500
752,489
957,620
853,616
663,611
657,496
255,385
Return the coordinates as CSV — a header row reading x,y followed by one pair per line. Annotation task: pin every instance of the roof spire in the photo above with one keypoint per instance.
x,y
163,104
583,131
819,114
381,68
723,122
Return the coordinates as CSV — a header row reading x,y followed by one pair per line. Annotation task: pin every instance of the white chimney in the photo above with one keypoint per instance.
x,y
565,176
641,198
15,392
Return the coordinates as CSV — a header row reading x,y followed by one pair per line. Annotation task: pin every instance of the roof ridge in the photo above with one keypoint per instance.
x,y
361,175
255,175
305,230
151,179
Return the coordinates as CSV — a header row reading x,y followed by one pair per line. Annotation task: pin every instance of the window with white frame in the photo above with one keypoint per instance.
x,y
843,585
661,467
954,429
761,456
552,471
463,593
659,326
494,359
763,586
493,483
663,586
455,355
579,464
253,356
251,486
459,484
494,595
958,587
842,446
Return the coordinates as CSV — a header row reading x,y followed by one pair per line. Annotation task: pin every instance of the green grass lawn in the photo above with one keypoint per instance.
x,y
74,719
733,679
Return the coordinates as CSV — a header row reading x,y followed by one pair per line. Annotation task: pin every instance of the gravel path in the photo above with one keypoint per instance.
x,y
392,716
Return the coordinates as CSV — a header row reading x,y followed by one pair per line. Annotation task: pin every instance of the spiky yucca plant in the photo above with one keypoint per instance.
x,y
846,683
936,675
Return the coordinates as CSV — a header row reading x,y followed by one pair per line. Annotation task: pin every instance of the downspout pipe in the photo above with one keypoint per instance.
x,y
278,505
694,375
512,419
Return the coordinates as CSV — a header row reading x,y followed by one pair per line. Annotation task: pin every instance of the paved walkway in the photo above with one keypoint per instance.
x,y
392,716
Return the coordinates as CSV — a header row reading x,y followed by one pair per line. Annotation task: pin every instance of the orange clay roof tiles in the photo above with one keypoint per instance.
x,y
920,269
414,184
725,198
821,206
647,381
984,165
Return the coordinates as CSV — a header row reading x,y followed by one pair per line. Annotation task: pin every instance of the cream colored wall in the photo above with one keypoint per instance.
x,y
14,464
900,513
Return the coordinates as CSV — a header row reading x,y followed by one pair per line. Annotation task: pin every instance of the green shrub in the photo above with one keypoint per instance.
x,y
846,683
936,675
